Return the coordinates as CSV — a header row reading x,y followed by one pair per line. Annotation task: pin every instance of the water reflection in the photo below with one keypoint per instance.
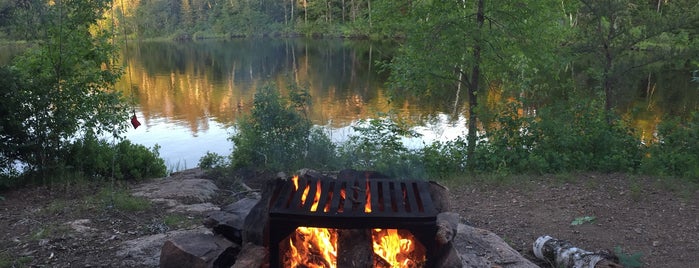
x,y
189,94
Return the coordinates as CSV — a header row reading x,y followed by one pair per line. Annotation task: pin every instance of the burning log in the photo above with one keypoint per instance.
x,y
354,248
563,254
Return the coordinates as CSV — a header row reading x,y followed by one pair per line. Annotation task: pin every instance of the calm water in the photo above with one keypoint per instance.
x,y
188,95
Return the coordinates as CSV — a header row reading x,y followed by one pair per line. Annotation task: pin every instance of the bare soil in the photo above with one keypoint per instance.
x,y
656,218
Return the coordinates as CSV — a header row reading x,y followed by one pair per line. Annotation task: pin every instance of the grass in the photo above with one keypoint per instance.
x,y
55,230
175,221
7,261
120,199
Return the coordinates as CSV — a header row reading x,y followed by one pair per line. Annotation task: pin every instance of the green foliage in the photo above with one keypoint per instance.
x,y
562,137
276,135
124,161
377,146
212,161
443,159
59,89
676,152
120,199
629,261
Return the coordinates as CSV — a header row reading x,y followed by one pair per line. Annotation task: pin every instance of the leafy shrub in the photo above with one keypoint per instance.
x,y
124,161
562,137
277,136
442,159
676,152
378,147
579,138
211,161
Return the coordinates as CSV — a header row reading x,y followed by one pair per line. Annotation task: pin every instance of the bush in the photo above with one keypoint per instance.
x,y
212,161
277,136
442,159
676,151
563,137
378,147
123,161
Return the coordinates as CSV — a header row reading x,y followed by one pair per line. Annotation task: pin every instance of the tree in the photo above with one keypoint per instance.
x,y
452,45
61,89
616,37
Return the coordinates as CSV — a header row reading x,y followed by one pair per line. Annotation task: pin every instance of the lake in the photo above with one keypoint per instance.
x,y
188,95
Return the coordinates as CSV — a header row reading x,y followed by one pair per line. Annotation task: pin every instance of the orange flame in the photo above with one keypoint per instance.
x,y
295,180
312,247
367,206
398,250
317,248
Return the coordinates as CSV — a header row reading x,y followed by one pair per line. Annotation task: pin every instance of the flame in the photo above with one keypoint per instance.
x,y
317,248
367,205
295,180
313,248
396,249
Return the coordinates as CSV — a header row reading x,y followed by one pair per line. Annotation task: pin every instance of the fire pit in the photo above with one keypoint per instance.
x,y
316,208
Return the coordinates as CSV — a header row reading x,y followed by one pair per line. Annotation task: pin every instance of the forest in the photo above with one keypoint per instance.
x,y
542,79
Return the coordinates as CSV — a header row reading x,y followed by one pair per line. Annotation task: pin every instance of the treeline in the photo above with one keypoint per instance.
x,y
187,19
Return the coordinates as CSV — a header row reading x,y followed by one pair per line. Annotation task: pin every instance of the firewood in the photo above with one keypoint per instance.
x,y
563,254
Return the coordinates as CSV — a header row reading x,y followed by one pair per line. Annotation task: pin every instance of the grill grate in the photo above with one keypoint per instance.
x,y
344,204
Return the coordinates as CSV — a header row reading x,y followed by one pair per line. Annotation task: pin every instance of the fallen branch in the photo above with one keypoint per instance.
x,y
563,254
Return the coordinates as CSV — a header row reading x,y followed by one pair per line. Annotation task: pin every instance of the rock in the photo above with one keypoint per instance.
x,y
482,248
145,251
226,224
197,250
447,226
256,221
440,197
251,256
195,208
242,207
185,186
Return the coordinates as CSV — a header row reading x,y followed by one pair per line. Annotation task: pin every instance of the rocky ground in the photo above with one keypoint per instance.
x,y
85,225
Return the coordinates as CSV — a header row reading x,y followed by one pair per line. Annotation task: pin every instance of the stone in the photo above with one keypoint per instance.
x,y
256,222
197,251
228,225
146,250
242,207
481,248
447,227
251,256
186,186
195,208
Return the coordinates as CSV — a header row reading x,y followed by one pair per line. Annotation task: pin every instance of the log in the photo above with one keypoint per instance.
x,y
564,255
355,248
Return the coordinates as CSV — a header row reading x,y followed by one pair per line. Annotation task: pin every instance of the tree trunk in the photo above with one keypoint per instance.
x,y
473,88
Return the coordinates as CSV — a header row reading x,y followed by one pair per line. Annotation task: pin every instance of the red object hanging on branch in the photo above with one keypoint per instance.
x,y
134,121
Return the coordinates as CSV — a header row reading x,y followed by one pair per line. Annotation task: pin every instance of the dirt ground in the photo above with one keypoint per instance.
x,y
659,220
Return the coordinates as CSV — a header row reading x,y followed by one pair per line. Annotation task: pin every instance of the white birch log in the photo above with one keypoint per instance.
x,y
563,254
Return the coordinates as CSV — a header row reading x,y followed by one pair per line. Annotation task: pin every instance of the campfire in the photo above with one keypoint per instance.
x,y
314,221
